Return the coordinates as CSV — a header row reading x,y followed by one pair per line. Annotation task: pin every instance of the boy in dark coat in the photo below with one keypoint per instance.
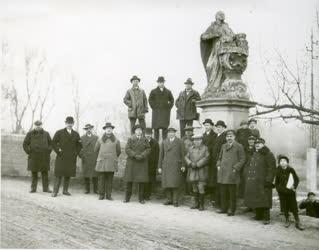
x,y
252,124
286,183
136,102
186,108
67,145
152,164
88,159
161,101
243,133
37,144
259,181
136,171
212,173
311,204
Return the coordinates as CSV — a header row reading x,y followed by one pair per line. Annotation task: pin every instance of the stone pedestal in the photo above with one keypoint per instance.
x,y
231,111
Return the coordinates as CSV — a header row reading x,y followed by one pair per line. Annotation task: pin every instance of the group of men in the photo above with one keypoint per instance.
x,y
222,163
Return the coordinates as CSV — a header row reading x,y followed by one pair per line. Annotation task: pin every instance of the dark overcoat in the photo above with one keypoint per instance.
x,y
171,160
185,104
67,147
137,169
153,160
88,155
212,171
261,170
38,146
231,160
200,156
161,103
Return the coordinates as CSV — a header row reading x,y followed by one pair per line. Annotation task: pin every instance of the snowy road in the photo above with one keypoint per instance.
x,y
81,221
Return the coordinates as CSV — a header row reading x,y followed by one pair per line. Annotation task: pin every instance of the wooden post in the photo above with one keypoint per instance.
x,y
312,169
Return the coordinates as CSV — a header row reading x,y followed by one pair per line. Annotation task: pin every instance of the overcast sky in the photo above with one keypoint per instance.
x,y
104,43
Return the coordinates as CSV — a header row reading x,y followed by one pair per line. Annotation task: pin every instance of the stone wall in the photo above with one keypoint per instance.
x,y
14,159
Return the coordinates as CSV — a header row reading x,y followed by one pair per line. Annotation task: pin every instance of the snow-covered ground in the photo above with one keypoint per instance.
x,y
82,221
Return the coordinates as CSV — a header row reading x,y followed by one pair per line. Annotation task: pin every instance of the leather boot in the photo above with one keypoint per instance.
x,y
66,186
287,223
87,185
45,182
95,185
201,202
196,201
56,187
34,182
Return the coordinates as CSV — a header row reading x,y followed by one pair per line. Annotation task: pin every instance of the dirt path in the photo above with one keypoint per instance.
x,y
81,221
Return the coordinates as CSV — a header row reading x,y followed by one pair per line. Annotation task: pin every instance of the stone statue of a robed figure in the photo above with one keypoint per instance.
x,y
224,55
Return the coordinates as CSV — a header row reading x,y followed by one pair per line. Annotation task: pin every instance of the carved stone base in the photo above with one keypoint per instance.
x,y
231,111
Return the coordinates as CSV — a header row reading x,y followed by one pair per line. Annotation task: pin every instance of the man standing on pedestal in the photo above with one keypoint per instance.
x,y
186,108
67,145
136,101
88,159
161,101
37,144
252,123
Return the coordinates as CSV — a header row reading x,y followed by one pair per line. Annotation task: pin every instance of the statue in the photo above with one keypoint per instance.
x,y
224,55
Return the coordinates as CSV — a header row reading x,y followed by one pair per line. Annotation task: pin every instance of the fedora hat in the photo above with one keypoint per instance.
x,y
188,128
137,126
252,120
208,121
88,126
108,125
161,79
189,81
38,123
69,120
135,78
149,131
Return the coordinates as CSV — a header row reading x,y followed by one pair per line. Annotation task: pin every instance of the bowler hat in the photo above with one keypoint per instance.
x,y
209,121
171,129
137,126
252,120
88,126
38,123
108,125
149,131
188,128
283,157
260,140
243,123
69,119
189,81
220,123
230,131
135,78
161,79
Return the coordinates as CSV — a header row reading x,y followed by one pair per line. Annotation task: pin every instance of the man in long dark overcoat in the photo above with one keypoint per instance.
x,y
88,159
231,160
37,144
136,171
136,101
209,138
161,101
259,181
212,173
67,145
152,164
186,108
172,165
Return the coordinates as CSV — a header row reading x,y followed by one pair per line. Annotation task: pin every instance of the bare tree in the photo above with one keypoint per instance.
x,y
289,95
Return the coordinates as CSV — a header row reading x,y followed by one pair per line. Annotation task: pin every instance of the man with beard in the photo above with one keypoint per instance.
x,y
37,144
